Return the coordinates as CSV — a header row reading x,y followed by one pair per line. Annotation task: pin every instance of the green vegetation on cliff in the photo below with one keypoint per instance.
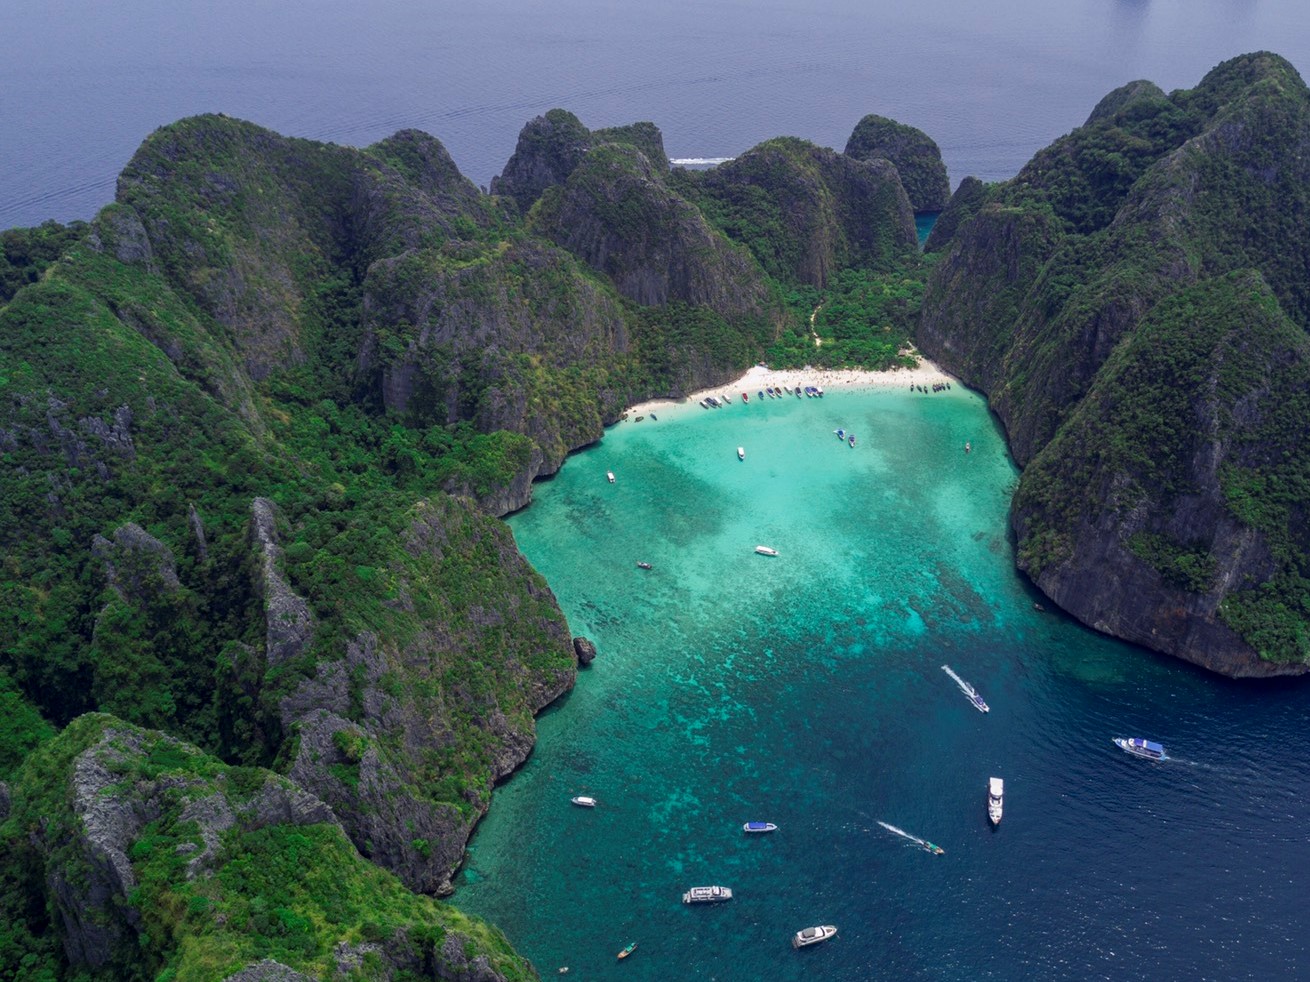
x,y
193,870
1135,304
254,417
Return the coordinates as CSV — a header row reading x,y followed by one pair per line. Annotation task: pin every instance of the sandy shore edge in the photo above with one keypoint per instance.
x,y
758,377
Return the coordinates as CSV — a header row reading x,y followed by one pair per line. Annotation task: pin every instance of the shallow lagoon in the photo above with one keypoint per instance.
x,y
807,690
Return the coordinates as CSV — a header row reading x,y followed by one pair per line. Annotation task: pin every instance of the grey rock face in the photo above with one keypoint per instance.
x,y
548,149
616,214
916,156
137,565
268,970
586,651
364,739
290,625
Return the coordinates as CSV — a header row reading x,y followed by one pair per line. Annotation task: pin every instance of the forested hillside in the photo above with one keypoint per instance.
x,y
258,421
1134,303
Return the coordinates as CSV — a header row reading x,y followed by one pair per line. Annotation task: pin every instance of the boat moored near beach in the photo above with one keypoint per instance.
x,y
813,935
995,796
707,895
1141,748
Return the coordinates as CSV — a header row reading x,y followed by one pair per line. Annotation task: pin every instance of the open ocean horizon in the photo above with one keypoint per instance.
x,y
84,83
807,690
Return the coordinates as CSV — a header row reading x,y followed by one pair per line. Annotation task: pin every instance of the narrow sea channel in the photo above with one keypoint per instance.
x,y
807,690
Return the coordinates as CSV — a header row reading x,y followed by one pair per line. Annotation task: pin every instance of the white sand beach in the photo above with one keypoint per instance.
x,y
926,374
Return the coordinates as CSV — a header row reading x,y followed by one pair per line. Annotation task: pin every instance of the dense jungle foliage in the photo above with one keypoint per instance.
x,y
1104,297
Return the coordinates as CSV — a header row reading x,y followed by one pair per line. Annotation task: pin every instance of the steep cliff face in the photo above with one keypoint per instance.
x,y
249,223
467,334
405,728
617,215
806,211
154,858
1056,271
550,147
1154,514
915,154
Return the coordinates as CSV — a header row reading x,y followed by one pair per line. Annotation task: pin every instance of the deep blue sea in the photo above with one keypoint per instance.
x,y
83,82
807,690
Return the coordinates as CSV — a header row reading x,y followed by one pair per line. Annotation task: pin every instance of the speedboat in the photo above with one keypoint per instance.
x,y
841,434
766,551
745,397
995,792
1141,748
741,453
706,895
759,827
628,950
582,801
726,397
813,935
610,475
760,394
851,439
643,565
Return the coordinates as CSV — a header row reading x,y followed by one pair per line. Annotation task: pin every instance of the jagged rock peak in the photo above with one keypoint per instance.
x,y
617,214
915,154
836,210
550,147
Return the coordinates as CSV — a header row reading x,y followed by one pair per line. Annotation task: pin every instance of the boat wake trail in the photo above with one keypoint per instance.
x,y
923,844
967,689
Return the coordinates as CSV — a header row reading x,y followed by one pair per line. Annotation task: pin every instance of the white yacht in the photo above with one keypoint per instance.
x,y
582,801
706,895
610,475
766,551
813,935
995,792
741,453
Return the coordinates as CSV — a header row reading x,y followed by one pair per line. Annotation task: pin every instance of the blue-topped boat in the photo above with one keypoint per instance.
x,y
759,827
1141,748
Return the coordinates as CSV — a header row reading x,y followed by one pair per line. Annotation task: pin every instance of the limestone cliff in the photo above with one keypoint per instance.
x,y
914,153
154,858
1054,276
806,211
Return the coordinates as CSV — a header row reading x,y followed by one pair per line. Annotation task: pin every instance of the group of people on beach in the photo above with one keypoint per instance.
x,y
936,387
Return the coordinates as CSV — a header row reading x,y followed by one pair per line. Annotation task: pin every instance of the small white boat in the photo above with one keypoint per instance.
x,y
610,475
759,827
995,794
582,801
813,935
766,551
741,453
706,895
1141,748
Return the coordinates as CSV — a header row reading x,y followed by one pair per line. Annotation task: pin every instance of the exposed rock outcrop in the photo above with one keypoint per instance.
x,y
1048,286
823,210
126,802
289,625
915,154
586,651
618,216
368,746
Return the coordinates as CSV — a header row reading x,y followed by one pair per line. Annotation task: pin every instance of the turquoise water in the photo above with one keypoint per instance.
x,y
807,690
